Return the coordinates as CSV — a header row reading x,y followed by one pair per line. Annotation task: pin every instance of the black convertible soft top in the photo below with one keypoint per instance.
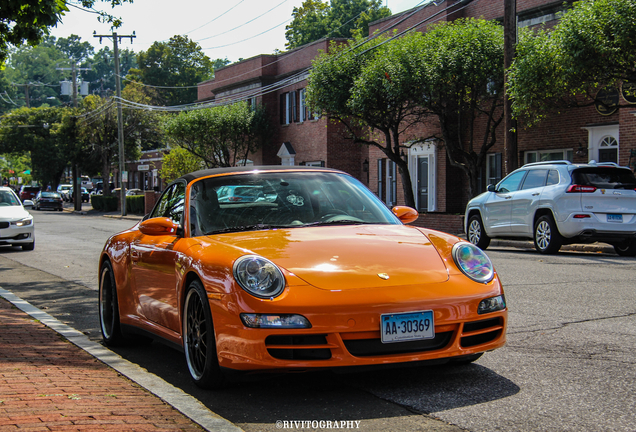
x,y
212,171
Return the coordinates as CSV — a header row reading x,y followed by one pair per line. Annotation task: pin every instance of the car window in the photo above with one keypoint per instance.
x,y
535,179
7,198
512,182
171,204
604,177
553,177
292,199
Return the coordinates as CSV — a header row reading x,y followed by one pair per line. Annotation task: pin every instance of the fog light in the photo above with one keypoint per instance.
x,y
286,321
492,304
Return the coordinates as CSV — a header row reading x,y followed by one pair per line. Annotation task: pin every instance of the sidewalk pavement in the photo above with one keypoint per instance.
x,y
61,381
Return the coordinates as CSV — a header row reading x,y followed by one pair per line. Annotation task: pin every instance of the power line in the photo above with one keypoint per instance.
x,y
244,24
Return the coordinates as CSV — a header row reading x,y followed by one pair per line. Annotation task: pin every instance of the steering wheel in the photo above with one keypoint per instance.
x,y
333,213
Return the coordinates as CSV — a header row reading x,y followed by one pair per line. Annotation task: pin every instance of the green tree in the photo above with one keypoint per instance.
x,y
452,74
315,19
178,162
221,136
178,66
97,132
460,83
74,49
33,71
376,110
37,132
102,74
28,21
593,46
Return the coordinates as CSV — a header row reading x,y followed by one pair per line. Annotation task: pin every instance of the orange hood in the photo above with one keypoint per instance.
x,y
347,257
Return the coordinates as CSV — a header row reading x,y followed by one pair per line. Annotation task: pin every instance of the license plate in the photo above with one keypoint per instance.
x,y
615,218
408,326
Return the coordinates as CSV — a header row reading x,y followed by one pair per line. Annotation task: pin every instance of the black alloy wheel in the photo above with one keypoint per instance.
x,y
109,307
199,342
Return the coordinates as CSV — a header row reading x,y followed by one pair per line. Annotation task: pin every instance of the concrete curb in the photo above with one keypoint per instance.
x,y
178,399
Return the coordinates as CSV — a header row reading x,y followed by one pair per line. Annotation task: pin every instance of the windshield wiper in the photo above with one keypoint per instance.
x,y
256,227
341,222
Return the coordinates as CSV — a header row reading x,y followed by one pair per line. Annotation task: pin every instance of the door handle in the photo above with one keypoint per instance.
x,y
536,194
507,197
134,255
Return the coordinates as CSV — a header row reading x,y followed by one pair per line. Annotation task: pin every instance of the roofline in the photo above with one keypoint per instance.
x,y
254,169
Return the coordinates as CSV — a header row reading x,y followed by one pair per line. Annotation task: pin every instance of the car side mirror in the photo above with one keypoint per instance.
x,y
158,226
492,188
405,214
27,203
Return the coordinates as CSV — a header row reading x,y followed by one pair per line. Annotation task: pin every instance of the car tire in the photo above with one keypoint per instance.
x,y
199,341
109,307
476,233
547,239
627,248
29,247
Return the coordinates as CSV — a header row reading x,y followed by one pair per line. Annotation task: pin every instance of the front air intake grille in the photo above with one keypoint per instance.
x,y
481,332
375,347
4,225
298,347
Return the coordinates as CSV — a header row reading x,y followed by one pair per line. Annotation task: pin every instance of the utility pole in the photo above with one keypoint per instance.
x,y
510,125
120,118
77,181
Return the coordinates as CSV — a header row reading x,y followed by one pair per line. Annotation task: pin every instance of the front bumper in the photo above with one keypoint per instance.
x,y
17,235
349,334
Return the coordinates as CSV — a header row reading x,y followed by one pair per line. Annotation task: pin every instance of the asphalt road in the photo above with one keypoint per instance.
x,y
568,364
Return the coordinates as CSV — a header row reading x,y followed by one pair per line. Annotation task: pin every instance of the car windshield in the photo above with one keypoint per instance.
x,y
8,199
282,199
604,178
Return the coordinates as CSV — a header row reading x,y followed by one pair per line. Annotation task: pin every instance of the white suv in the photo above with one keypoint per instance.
x,y
558,203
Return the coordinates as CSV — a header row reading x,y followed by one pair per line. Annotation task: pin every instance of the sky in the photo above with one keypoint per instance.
x,y
231,29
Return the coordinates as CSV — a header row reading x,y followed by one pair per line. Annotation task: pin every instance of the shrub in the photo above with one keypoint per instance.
x,y
104,203
136,204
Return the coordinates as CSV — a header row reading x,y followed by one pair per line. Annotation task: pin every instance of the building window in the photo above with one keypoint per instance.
x,y
315,164
381,174
493,168
251,102
548,155
288,108
302,111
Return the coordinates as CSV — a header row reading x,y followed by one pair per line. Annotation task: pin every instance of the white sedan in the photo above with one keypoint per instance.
x,y
16,224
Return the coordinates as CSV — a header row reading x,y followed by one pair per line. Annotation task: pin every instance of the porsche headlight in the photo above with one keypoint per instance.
x,y
473,262
259,276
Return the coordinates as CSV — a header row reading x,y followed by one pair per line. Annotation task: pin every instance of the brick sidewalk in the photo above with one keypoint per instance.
x,y
49,384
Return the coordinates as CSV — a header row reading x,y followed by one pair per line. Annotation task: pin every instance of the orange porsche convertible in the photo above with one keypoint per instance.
x,y
295,268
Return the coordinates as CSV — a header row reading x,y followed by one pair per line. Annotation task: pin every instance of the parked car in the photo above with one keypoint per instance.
x,y
63,190
16,224
325,276
51,200
248,193
133,192
85,195
557,203
28,192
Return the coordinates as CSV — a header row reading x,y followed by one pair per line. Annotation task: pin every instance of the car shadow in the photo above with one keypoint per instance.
x,y
376,394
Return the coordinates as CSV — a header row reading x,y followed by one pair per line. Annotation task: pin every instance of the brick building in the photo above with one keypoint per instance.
x,y
278,82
